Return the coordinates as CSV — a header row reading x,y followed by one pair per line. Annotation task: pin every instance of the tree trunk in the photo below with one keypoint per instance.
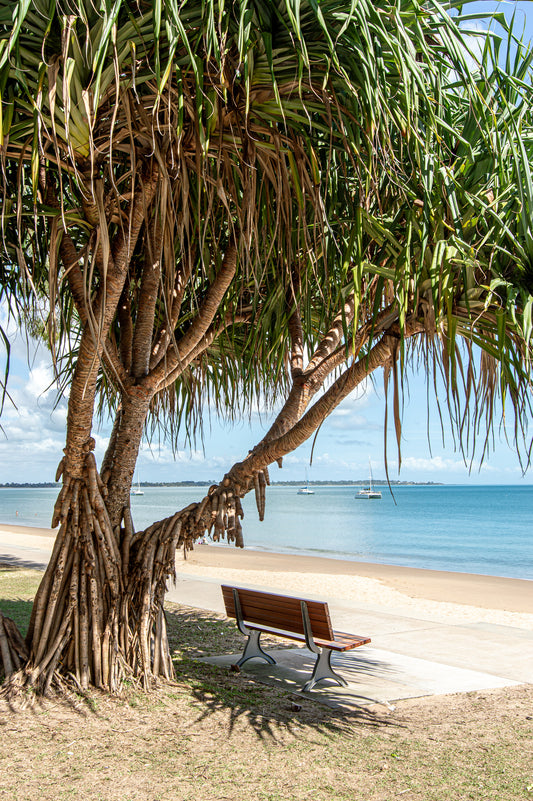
x,y
98,614
123,450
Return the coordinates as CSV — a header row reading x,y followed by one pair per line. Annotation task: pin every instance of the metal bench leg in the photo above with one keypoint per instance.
x,y
323,670
253,648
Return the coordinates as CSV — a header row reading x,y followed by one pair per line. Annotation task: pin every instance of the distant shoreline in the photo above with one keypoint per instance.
x,y
356,483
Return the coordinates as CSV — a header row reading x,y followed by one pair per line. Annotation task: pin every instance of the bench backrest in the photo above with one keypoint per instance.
x,y
279,611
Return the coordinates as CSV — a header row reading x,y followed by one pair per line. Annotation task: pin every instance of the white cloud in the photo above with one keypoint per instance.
x,y
431,465
348,421
33,427
40,381
348,415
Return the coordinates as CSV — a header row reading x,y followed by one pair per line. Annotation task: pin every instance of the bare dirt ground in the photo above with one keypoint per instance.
x,y
216,735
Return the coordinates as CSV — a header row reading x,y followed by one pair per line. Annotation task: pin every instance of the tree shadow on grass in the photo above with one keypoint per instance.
x,y
19,581
267,710
9,561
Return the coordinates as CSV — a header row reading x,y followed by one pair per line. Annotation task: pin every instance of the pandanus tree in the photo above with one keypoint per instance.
x,y
229,199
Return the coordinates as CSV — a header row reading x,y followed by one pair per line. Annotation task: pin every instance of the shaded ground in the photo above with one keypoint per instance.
x,y
217,735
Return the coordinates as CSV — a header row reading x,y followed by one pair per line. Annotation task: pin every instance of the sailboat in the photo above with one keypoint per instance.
x,y
369,493
137,490
306,490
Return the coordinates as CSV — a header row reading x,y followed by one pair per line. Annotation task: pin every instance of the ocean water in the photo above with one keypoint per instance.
x,y
471,529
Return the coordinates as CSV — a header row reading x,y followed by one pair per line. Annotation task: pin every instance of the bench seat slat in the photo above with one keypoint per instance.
x,y
343,643
291,609
282,603
257,606
269,598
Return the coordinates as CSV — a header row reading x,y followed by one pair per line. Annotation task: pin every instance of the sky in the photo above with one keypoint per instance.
x,y
32,436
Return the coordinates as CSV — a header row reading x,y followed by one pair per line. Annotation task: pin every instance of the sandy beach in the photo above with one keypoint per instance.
x,y
439,595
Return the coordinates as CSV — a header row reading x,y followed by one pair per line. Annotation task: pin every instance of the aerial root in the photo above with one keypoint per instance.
x,y
13,651
260,484
220,512
98,616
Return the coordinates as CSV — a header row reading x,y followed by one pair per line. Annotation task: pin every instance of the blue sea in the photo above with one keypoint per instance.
x,y
471,529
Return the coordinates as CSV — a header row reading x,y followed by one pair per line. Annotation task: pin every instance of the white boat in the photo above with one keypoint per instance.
x,y
306,490
136,490
369,493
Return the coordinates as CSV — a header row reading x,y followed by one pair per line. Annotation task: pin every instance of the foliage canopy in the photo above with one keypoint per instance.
x,y
342,147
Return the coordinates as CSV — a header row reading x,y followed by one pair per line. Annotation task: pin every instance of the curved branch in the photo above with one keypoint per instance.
x,y
71,262
317,375
144,324
207,340
126,328
307,384
297,338
272,450
334,336
199,327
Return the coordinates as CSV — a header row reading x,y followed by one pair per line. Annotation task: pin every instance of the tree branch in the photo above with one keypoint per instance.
x,y
144,324
318,374
334,336
297,347
126,328
103,309
179,353
207,340
71,262
271,450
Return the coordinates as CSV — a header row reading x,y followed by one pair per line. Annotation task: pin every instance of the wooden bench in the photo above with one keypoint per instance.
x,y
295,618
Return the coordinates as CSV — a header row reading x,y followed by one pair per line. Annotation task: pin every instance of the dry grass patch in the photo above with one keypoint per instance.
x,y
218,736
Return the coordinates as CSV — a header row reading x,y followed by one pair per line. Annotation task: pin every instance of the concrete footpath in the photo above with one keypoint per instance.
x,y
411,655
